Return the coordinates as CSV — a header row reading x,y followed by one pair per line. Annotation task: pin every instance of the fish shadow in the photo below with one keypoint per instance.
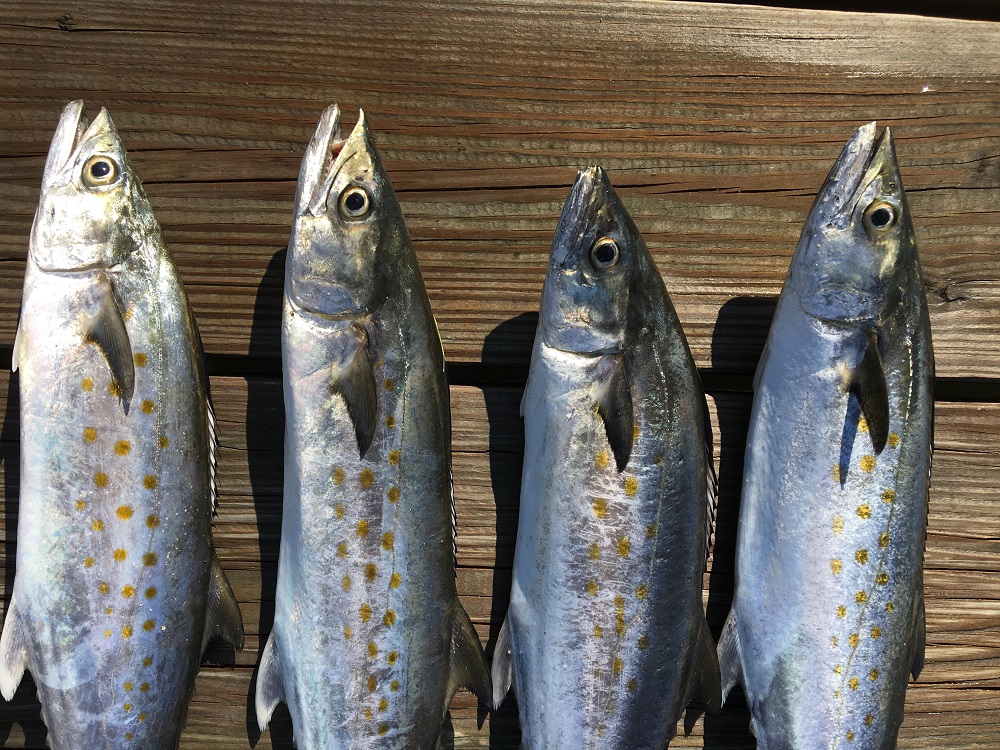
x,y
737,342
264,441
24,710
502,389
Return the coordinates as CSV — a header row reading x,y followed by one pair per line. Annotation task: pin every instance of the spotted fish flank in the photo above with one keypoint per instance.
x,y
606,640
827,621
366,570
117,586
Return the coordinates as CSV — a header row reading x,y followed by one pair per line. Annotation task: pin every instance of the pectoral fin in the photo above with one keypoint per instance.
x,y
868,384
730,662
223,619
270,683
13,651
614,405
503,665
468,661
356,383
15,359
706,688
106,329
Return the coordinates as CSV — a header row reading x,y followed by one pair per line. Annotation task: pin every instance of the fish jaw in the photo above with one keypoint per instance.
x,y
857,246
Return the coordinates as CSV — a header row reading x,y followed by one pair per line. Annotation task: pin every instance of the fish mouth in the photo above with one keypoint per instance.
x,y
72,131
575,221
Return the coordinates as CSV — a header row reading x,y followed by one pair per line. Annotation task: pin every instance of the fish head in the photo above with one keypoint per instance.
x,y
858,243
346,221
597,256
92,211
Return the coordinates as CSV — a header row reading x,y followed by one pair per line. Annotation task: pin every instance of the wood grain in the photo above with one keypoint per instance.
x,y
962,675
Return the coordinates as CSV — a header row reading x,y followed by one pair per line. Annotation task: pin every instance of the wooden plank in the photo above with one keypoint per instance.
x,y
954,705
718,123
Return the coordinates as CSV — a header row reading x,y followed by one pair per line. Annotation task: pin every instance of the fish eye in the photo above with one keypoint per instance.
x,y
880,216
100,170
354,203
604,254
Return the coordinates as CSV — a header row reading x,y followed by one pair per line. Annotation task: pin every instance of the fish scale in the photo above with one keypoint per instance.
x,y
115,564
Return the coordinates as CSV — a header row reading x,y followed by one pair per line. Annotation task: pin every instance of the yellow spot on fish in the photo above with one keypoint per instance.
x,y
128,592
114,389
868,464
841,611
838,525
394,685
631,485
598,631
873,675
366,613
372,684
617,666
893,439
882,579
392,657
383,704
100,480
836,566
152,521
642,591
394,456
128,735
128,685
390,421
141,717
87,384
876,632
104,588
366,478
347,632
97,524
147,661
593,551
342,549
149,559
862,425
127,707
869,720
833,641
395,580
883,541
109,610
889,607
864,511
338,475
362,528
623,547
124,512
148,407
119,554
630,685
853,683
836,472
81,505
144,687
149,482
389,618
854,639
127,631
371,572
123,447
164,441
383,729
651,531
861,556
346,583
338,510
837,669
850,736
89,434
368,714
140,359
601,460
393,494
387,540
389,384
600,506
151,592
643,642
372,649
888,496
107,633
591,587
861,597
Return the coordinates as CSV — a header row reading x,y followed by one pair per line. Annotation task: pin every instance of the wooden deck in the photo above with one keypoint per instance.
x,y
717,122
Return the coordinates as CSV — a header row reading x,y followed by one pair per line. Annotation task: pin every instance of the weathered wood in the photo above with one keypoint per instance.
x,y
963,590
718,123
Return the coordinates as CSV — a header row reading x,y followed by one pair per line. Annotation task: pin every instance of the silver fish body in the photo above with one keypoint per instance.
x,y
606,640
370,641
827,621
115,562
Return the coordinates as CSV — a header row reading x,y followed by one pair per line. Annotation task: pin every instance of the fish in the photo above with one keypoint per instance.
x,y
118,588
605,640
827,620
369,642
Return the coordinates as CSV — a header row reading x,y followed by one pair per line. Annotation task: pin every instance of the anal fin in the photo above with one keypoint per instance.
x,y
730,661
13,651
503,664
468,661
223,619
705,686
356,383
270,689
106,328
867,382
614,405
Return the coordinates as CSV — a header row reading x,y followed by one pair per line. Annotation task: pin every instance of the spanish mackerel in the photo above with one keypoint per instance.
x,y
370,642
606,639
118,588
827,620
